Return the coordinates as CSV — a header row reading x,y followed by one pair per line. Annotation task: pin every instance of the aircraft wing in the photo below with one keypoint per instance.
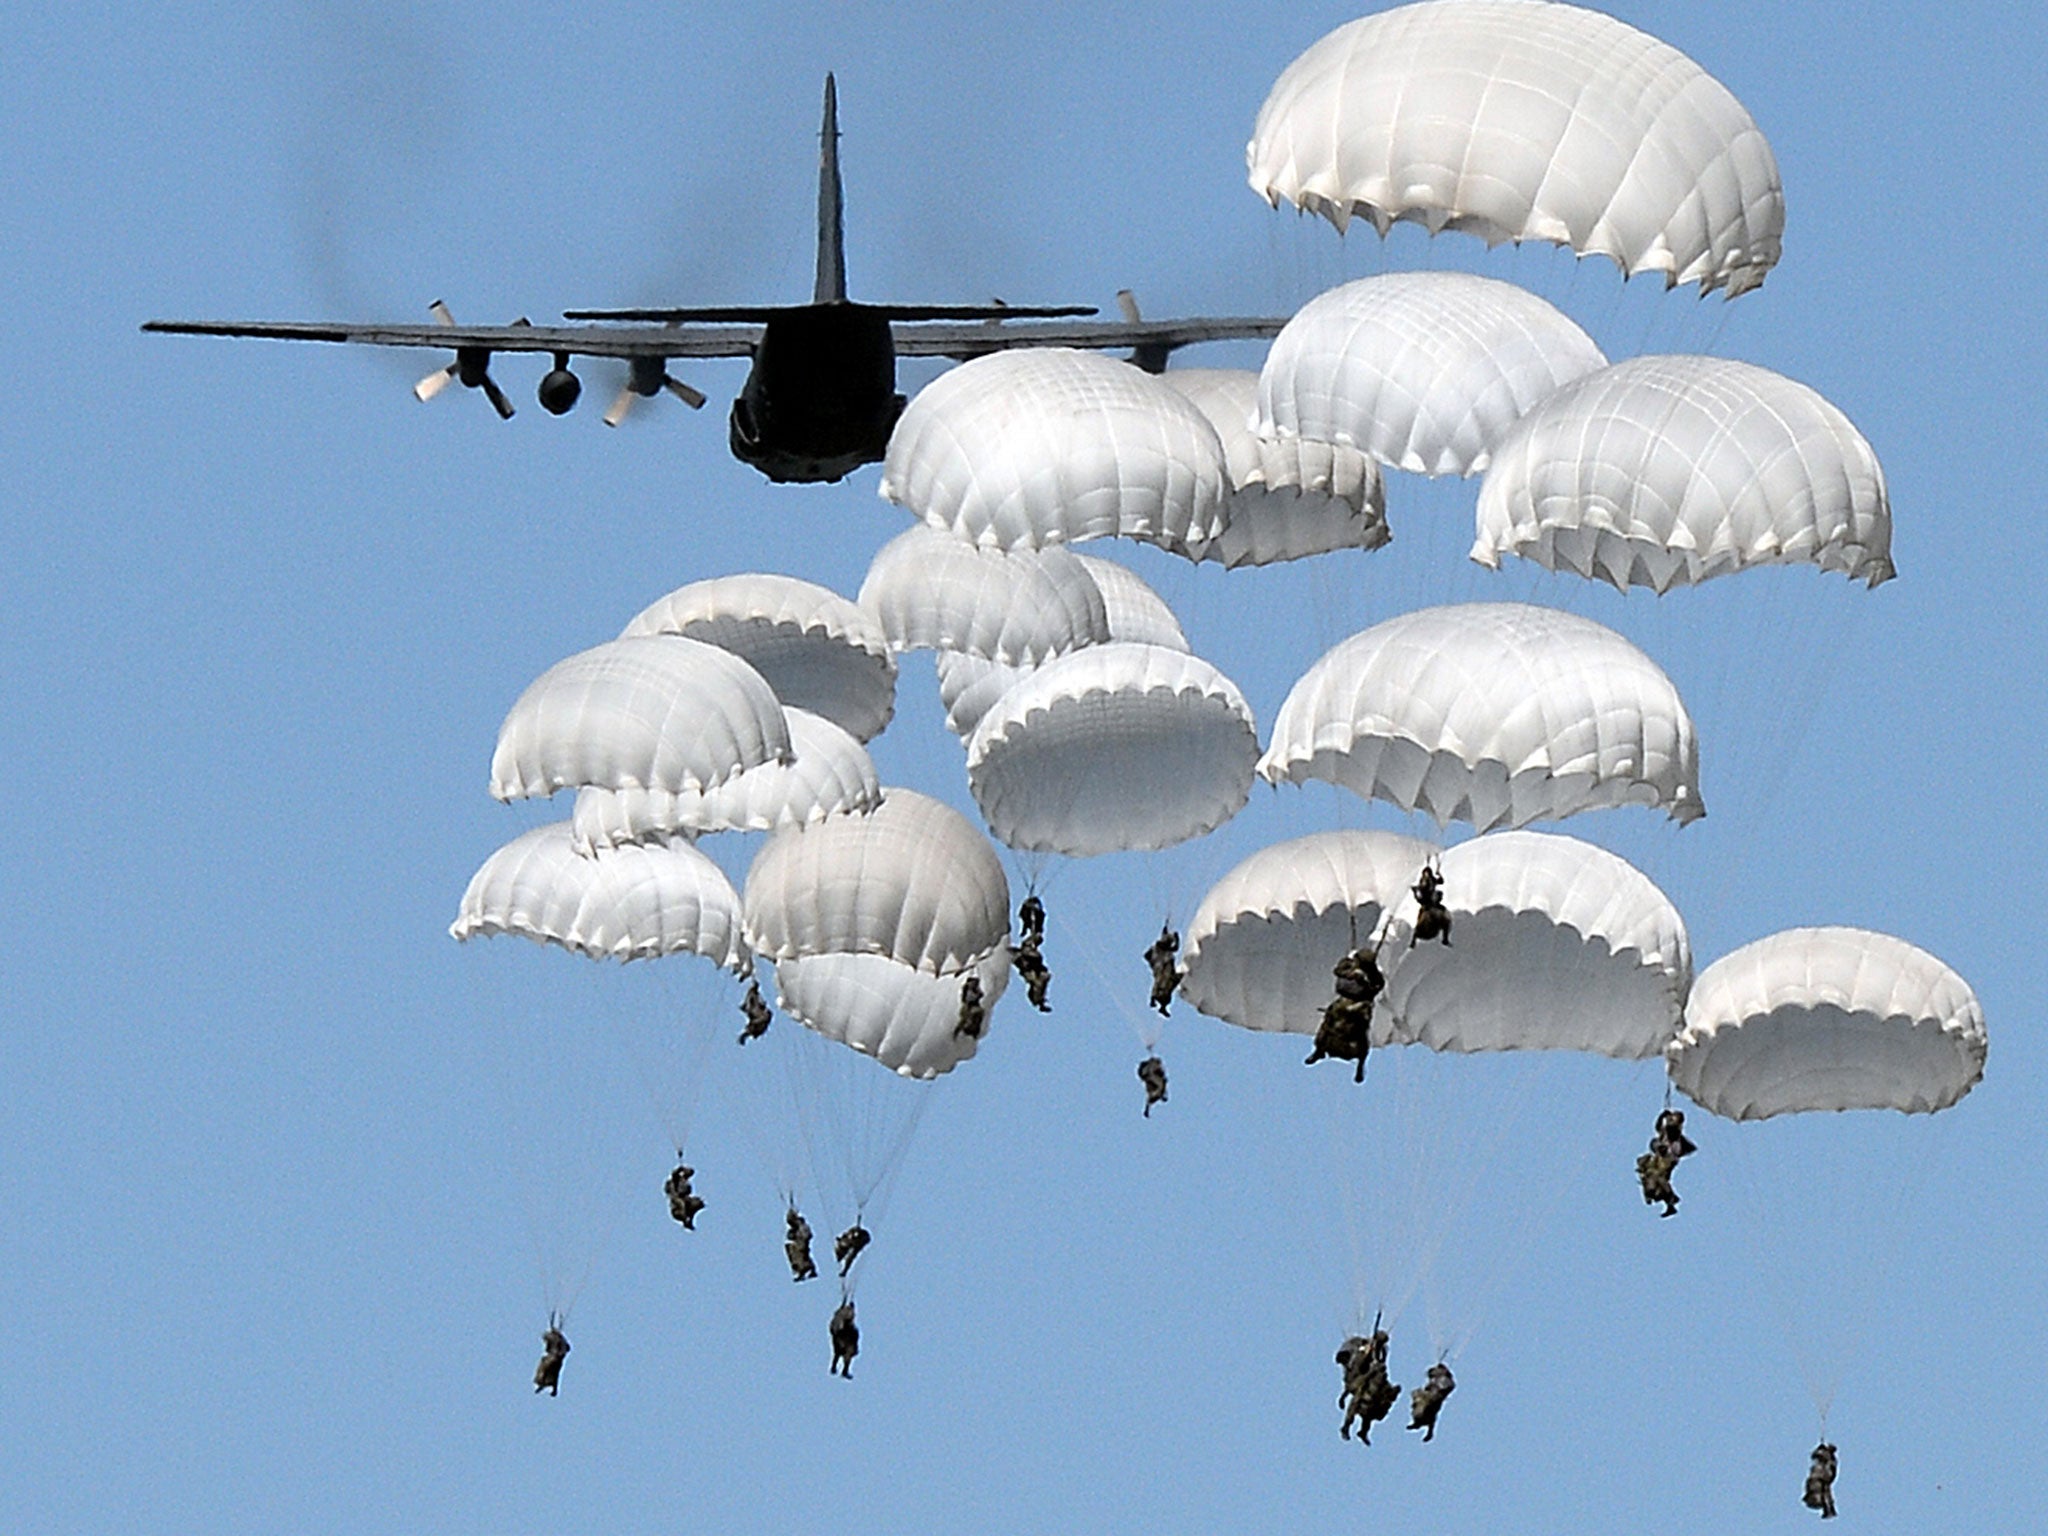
x,y
1145,337
620,341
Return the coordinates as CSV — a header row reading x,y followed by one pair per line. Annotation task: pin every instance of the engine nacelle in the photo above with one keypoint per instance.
x,y
559,391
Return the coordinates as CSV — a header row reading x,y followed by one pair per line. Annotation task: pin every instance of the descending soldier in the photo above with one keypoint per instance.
x,y
1031,919
1030,964
759,1015
1427,1400
683,1202
1368,1396
973,1015
845,1340
1165,967
1653,1172
1432,917
796,1247
1669,1138
554,1349
1345,1033
847,1246
1152,1073
1820,1481
1668,1143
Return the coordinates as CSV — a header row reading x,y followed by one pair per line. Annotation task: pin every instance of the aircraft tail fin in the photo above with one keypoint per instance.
x,y
831,286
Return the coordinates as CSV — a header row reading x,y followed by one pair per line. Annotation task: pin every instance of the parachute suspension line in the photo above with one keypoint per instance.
x,y
1145,1024
571,1161
1350,1176
1825,1333
1774,718
1711,347
880,1181
1531,1216
1799,1342
573,1288
669,1046
1036,871
858,1119
773,1122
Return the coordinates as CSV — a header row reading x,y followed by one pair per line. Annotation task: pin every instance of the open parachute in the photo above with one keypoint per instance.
x,y
1494,713
1665,471
1524,120
1424,371
1818,1019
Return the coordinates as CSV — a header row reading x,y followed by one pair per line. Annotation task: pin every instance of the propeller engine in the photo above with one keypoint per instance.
x,y
650,376
472,366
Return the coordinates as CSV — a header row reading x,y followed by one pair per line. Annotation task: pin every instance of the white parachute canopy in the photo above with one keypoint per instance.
x,y
1556,945
1289,497
930,590
1262,942
1133,610
1121,746
627,903
1668,470
1519,121
817,650
907,1019
969,684
829,774
1020,449
1494,713
912,879
1828,1019
653,712
1422,370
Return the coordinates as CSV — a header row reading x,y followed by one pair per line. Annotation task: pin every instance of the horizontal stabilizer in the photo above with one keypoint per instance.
x,y
761,314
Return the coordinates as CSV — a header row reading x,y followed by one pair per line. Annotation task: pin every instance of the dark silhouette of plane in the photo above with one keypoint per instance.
x,y
820,399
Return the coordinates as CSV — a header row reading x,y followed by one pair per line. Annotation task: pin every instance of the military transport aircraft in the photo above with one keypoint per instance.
x,y
820,399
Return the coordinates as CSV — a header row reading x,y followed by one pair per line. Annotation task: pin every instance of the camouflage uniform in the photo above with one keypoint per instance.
x,y
1820,1481
1345,1033
845,1340
973,1016
759,1016
1161,956
1427,1400
547,1376
683,1202
796,1247
1152,1073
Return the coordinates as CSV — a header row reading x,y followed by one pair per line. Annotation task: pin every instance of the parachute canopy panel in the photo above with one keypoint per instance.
x,y
1289,497
1045,445
1133,610
819,651
652,712
622,904
912,879
1425,371
829,774
1828,1019
1663,471
1498,714
1121,746
1262,943
1558,945
907,1019
1519,120
927,589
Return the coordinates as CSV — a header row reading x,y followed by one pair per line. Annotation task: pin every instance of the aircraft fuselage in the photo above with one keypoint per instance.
x,y
820,399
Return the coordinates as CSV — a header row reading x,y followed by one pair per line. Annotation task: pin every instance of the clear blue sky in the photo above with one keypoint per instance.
x,y
270,1154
